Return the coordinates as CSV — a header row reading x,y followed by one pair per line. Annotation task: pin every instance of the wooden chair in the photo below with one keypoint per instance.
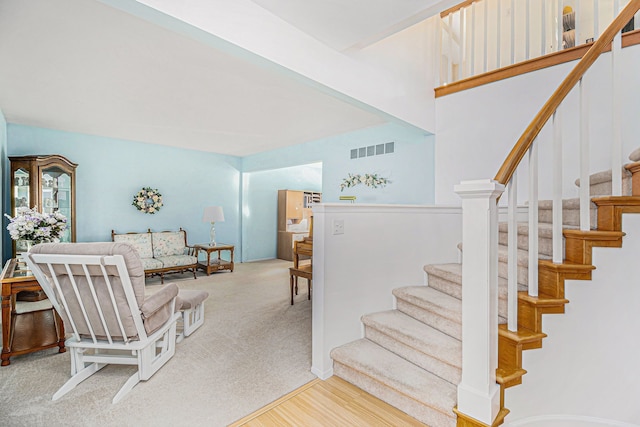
x,y
304,271
302,247
98,289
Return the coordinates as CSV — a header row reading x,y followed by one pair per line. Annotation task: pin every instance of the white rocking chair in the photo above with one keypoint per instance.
x,y
98,289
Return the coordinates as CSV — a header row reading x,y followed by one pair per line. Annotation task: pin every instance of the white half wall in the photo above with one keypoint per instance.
x,y
383,247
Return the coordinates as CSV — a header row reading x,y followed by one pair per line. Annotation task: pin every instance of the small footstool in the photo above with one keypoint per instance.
x,y
191,304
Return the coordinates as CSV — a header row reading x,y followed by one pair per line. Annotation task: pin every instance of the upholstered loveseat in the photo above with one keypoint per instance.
x,y
161,252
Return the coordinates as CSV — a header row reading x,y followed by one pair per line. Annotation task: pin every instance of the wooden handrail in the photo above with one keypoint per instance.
x,y
456,8
521,147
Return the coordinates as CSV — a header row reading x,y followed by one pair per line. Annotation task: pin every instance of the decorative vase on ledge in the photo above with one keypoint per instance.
x,y
23,246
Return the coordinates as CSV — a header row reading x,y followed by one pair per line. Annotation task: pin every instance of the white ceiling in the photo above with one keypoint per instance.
x,y
82,66
353,24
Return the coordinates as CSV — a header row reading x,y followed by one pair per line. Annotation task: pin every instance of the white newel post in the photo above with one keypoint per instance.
x,y
478,393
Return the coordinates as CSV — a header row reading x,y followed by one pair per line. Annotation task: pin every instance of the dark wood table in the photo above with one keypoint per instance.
x,y
30,331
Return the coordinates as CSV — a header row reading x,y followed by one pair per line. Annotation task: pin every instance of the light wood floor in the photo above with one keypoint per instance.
x,y
333,402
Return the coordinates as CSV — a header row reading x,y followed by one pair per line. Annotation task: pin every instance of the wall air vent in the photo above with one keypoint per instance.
x,y
372,150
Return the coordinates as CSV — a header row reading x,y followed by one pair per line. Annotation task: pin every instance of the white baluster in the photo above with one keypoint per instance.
x,y
440,48
533,220
450,32
577,36
499,33
543,41
557,188
472,56
527,29
560,27
513,32
585,198
512,254
596,20
485,60
616,92
463,43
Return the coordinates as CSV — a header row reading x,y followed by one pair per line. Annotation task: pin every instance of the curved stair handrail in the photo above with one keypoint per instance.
x,y
525,141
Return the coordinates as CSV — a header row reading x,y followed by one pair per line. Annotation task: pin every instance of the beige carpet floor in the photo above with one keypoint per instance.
x,y
253,348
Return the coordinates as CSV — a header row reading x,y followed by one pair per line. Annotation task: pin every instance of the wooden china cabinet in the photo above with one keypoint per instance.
x,y
49,184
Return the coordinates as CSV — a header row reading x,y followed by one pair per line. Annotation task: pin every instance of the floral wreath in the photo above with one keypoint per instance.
x,y
148,200
369,179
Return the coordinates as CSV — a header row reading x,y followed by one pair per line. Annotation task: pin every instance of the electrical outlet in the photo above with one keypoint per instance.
x,y
338,226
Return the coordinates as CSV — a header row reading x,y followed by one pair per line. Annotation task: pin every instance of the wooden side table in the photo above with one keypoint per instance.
x,y
218,263
31,331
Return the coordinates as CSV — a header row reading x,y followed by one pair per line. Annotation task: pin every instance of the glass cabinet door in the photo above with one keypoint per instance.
x,y
56,195
20,190
45,184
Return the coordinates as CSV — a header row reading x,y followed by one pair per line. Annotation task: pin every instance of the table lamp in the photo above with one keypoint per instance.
x,y
213,214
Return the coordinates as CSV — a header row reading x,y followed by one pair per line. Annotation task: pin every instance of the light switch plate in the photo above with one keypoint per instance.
x,y
338,226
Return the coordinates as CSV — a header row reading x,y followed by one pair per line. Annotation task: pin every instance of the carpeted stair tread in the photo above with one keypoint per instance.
x,y
523,256
545,229
388,376
416,342
430,306
451,271
431,299
447,278
572,203
545,235
600,183
570,212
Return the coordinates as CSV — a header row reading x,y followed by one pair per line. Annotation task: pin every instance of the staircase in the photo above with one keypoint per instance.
x,y
411,357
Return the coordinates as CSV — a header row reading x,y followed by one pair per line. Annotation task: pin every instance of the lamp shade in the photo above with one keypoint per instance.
x,y
213,214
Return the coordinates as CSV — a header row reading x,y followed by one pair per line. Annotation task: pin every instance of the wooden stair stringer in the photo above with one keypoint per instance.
x,y
577,265
579,244
611,208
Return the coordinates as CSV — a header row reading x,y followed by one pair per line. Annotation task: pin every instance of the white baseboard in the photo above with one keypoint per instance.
x,y
322,375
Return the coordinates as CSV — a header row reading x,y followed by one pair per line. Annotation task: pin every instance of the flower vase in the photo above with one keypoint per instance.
x,y
23,246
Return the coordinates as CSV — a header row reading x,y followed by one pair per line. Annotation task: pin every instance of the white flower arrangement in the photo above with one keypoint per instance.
x,y
29,224
148,200
368,179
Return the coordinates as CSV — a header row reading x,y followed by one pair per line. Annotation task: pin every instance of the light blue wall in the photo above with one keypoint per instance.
x,y
260,205
410,167
4,175
110,171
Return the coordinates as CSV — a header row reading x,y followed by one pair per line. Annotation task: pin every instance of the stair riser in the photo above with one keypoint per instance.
x,y
523,272
429,362
455,290
433,319
418,410
569,216
443,285
605,188
545,245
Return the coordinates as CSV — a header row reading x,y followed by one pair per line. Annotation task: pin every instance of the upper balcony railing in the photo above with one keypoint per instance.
x,y
479,36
